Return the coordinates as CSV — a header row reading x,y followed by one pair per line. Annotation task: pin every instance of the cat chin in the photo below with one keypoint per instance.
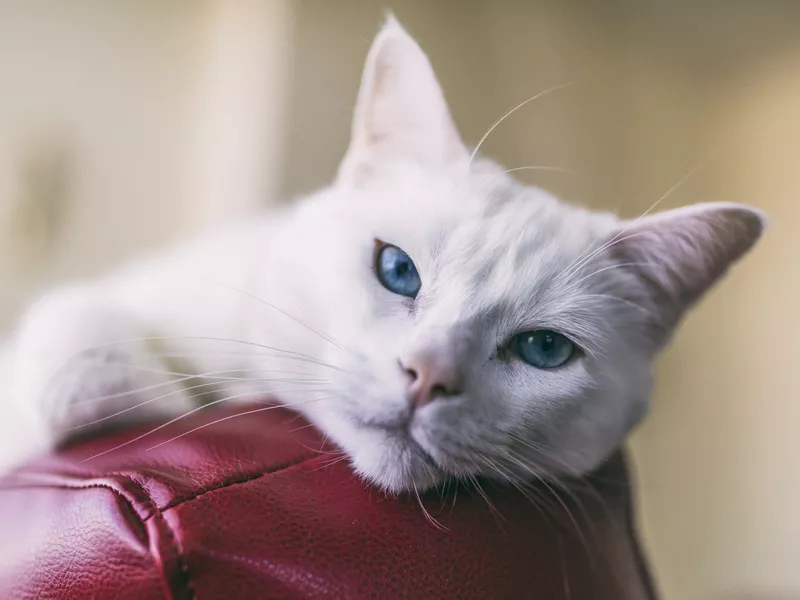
x,y
397,467
388,458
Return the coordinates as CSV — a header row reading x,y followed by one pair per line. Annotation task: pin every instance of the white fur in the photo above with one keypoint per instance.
x,y
309,324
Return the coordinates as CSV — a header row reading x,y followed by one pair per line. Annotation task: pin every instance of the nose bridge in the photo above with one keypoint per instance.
x,y
446,322
440,342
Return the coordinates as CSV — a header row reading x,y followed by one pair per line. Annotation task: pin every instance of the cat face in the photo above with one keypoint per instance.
x,y
490,329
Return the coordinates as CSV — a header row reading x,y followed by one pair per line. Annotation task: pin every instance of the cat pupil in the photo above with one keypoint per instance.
x,y
548,342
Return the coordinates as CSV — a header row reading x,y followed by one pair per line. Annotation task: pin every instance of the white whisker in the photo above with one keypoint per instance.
x,y
613,298
217,380
577,265
608,268
558,498
511,112
179,391
486,499
527,168
331,462
227,418
280,310
652,207
430,518
290,353
186,414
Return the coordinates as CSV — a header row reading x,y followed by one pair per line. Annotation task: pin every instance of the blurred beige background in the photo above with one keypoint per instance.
x,y
126,124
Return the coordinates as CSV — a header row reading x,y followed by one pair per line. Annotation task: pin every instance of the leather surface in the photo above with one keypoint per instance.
x,y
255,507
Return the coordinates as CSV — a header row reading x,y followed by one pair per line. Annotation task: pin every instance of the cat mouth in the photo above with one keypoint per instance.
x,y
401,433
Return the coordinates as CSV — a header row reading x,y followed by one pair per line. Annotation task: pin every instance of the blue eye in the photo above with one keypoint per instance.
x,y
543,349
396,272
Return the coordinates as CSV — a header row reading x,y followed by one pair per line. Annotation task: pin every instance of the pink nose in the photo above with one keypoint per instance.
x,y
431,375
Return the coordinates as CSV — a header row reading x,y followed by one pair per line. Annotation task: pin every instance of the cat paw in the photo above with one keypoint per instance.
x,y
78,365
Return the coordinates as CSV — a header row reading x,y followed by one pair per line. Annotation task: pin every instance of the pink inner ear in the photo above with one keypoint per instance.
x,y
678,255
401,112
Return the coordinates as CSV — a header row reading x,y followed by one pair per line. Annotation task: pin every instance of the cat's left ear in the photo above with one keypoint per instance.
x,y
401,112
677,256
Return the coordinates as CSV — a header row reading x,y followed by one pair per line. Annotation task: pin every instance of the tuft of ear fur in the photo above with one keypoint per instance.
x,y
678,255
401,112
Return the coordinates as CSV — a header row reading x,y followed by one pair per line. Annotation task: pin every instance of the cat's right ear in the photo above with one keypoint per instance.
x,y
401,113
676,256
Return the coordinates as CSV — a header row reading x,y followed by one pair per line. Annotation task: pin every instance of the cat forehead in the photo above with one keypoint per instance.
x,y
513,246
516,222
484,206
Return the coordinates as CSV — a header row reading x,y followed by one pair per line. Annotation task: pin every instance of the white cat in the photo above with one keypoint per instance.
x,y
431,315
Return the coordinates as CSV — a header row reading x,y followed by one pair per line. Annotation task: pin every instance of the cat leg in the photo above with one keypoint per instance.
x,y
77,363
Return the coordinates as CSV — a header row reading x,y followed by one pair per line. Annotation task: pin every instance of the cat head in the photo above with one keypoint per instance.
x,y
489,328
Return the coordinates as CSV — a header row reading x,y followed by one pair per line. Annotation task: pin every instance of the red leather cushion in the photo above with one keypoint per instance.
x,y
252,507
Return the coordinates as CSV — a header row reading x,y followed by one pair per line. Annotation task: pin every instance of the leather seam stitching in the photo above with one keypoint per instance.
x,y
173,539
227,484
152,504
